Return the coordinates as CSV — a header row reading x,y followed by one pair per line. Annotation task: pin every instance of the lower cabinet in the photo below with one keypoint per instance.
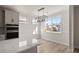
x,y
2,37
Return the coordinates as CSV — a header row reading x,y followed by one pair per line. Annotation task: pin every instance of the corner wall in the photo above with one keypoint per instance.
x,y
62,37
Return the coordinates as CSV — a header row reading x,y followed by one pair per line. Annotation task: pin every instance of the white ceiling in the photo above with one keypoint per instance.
x,y
32,9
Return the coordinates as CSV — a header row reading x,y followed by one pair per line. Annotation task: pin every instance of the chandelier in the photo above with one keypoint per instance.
x,y
41,18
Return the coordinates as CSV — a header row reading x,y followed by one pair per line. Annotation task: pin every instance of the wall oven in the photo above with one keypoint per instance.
x,y
12,31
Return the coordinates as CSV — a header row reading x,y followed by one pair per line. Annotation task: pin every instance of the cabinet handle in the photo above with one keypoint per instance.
x,y
12,20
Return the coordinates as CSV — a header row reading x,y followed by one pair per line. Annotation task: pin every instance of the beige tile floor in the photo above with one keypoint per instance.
x,y
51,47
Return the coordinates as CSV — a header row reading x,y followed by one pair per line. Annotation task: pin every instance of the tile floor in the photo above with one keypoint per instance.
x,y
51,47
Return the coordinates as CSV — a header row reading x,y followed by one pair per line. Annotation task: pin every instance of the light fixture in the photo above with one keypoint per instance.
x,y
41,18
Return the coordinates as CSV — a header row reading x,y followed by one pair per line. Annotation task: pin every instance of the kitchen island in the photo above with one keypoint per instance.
x,y
28,49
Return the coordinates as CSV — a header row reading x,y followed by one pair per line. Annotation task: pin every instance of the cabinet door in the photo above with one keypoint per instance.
x,y
15,18
11,17
8,17
1,18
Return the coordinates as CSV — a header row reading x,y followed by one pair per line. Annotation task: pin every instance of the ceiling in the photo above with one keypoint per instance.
x,y
30,10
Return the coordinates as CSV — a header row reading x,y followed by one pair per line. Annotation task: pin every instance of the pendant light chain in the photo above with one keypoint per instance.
x,y
42,17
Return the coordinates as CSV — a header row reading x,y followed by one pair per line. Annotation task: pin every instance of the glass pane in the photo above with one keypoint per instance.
x,y
53,24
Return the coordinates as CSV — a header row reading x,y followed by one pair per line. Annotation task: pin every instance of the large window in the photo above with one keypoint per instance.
x,y
53,24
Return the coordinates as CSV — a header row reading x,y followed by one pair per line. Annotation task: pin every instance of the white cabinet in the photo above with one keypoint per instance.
x,y
8,17
11,17
15,18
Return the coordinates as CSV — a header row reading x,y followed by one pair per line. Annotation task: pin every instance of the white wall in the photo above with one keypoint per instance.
x,y
62,37
25,31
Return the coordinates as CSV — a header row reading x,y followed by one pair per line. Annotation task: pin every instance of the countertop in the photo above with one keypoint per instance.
x,y
27,47
11,46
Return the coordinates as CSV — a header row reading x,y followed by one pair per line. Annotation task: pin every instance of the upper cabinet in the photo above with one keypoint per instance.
x,y
15,18
2,19
11,17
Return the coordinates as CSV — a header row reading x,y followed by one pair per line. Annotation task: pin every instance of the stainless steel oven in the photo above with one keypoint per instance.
x,y
12,31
